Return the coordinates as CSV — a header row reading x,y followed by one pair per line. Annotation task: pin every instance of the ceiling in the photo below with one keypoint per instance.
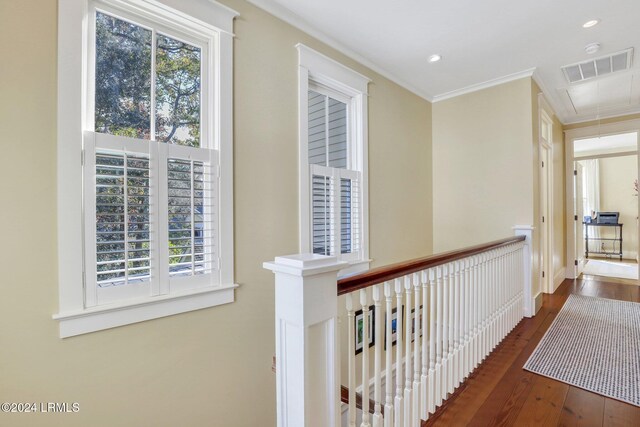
x,y
482,43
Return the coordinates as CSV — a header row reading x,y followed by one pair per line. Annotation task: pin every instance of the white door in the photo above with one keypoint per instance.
x,y
579,212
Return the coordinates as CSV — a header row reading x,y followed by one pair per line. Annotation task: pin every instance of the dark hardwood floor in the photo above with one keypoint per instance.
x,y
500,393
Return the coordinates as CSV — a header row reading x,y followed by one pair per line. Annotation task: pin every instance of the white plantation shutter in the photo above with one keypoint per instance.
x,y
190,200
322,212
350,213
154,207
336,212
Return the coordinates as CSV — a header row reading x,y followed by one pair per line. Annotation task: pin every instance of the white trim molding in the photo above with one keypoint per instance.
x,y
75,116
484,85
113,315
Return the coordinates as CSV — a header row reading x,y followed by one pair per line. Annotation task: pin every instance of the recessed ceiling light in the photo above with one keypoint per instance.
x,y
435,58
591,23
592,48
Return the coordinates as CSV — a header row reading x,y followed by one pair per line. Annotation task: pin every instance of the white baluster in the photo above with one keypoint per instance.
x,y
450,329
416,351
497,270
364,302
456,326
500,274
492,300
483,305
505,269
351,371
446,283
399,403
463,315
467,317
377,382
476,310
439,321
432,340
408,377
424,385
388,406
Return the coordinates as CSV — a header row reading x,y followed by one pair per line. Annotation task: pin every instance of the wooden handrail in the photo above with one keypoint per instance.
x,y
393,271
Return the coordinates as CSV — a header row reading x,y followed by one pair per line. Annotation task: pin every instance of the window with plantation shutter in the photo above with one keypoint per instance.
x,y
333,160
157,228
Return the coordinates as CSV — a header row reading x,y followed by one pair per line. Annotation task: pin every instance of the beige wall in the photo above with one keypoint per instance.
x,y
617,175
482,169
209,367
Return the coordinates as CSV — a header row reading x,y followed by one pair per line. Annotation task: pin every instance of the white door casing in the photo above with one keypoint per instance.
x,y
578,209
545,222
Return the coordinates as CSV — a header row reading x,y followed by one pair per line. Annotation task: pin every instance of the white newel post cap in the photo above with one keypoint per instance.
x,y
304,264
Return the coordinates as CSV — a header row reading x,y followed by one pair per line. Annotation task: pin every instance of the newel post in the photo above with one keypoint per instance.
x,y
307,337
527,254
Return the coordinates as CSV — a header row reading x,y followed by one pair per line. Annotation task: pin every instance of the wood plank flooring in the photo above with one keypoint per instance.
x,y
500,393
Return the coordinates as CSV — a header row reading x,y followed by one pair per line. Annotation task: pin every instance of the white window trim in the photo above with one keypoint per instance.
x,y
314,67
73,51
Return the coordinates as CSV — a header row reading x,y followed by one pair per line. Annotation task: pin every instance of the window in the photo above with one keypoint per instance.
x,y
153,127
333,150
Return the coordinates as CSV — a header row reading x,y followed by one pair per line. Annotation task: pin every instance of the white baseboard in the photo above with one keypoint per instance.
x,y
536,303
570,272
559,278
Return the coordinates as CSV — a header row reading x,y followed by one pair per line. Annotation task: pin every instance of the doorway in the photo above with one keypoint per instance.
x,y
606,234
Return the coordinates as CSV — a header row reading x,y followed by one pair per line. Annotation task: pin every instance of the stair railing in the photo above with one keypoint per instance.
x,y
414,330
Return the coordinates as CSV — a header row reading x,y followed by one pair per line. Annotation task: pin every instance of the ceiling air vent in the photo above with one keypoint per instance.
x,y
598,67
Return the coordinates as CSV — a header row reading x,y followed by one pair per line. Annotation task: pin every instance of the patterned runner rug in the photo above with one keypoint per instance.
x,y
594,344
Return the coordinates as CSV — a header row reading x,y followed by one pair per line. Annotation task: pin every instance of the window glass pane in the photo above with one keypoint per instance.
x,y
178,69
337,134
327,131
317,129
123,236
123,78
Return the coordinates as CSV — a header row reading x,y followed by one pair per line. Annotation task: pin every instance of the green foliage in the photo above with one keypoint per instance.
x,y
123,83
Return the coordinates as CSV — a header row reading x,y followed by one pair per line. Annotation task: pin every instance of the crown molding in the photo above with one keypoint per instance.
x,y
484,85
593,118
296,21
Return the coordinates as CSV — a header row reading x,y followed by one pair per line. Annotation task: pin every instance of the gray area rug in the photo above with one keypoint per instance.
x,y
594,344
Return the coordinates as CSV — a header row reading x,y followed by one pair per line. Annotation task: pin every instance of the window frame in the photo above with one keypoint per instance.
x,y
322,74
75,116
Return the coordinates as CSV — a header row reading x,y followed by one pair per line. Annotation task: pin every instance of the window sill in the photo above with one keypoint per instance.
x,y
120,314
354,267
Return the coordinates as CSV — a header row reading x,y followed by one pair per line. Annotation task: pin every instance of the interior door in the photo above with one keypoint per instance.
x,y
579,212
